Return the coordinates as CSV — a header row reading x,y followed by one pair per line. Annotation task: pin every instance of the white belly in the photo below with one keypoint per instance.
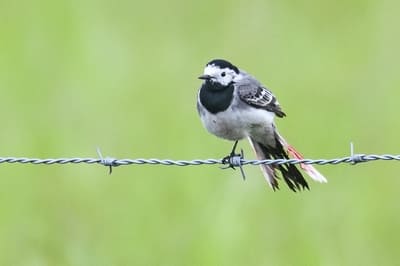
x,y
234,124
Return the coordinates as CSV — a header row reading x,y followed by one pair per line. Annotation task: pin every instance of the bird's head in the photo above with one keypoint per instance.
x,y
220,71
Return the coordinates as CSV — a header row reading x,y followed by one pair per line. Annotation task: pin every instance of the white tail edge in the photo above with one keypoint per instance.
x,y
308,168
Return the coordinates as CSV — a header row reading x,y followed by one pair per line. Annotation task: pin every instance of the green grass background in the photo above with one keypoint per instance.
x,y
121,75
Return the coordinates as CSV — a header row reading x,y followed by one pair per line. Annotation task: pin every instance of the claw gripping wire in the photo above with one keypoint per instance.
x,y
234,160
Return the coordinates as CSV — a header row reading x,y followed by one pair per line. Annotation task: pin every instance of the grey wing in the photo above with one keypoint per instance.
x,y
258,96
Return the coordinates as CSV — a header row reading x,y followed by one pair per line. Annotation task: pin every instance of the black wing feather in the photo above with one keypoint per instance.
x,y
260,97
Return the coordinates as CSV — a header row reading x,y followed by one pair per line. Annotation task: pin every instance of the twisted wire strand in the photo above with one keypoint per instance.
x,y
236,160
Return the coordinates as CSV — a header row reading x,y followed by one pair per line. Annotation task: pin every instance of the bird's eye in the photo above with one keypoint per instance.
x,y
223,74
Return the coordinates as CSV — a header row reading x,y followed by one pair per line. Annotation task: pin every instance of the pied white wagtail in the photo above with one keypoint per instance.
x,y
233,105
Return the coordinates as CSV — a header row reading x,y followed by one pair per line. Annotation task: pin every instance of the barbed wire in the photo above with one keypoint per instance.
x,y
233,160
236,160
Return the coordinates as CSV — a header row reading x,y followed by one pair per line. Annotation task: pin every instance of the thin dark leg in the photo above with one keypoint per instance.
x,y
234,148
229,160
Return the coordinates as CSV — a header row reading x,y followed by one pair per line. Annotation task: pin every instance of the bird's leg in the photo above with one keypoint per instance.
x,y
234,159
227,159
234,148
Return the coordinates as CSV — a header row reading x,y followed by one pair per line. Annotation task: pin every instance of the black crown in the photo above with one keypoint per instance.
x,y
223,64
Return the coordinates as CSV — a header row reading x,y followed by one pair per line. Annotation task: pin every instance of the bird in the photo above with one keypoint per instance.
x,y
233,105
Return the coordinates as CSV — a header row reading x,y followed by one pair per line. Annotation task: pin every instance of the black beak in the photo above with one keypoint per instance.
x,y
205,77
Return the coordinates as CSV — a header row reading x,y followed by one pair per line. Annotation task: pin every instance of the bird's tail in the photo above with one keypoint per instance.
x,y
291,175
308,168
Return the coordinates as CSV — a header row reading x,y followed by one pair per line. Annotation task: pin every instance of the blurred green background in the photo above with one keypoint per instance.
x,y
122,76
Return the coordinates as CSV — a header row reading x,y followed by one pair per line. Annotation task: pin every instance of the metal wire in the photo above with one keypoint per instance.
x,y
236,160
232,161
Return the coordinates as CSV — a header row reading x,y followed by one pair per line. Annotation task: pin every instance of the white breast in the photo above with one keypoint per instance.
x,y
240,122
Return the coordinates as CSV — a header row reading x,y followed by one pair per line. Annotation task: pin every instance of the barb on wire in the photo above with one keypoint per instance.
x,y
108,161
235,161
356,158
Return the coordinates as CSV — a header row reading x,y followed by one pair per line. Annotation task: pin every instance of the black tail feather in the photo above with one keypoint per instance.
x,y
292,176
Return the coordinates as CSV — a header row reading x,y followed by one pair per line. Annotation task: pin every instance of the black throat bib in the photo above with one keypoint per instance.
x,y
215,97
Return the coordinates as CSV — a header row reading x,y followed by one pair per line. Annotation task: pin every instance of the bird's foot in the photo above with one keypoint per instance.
x,y
231,157
234,160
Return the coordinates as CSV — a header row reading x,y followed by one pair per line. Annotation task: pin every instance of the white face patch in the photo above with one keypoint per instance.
x,y
223,76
